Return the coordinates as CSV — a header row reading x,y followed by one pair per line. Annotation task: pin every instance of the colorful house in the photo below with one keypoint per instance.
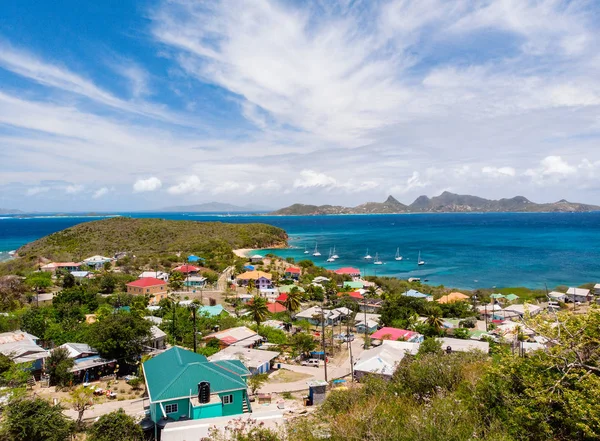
x,y
67,266
453,297
156,288
261,279
387,333
348,271
292,273
194,387
188,270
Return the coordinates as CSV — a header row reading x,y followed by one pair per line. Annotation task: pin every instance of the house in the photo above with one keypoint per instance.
x,y
276,307
270,294
245,298
287,288
418,295
353,295
597,289
292,273
212,311
355,284
320,280
158,339
332,317
156,274
261,279
388,333
195,281
22,347
348,271
556,296
257,258
194,388
81,274
276,324
383,360
460,345
363,327
156,320
578,295
493,312
453,297
511,297
155,288
370,305
97,262
521,310
240,336
78,350
188,270
66,266
193,258
257,361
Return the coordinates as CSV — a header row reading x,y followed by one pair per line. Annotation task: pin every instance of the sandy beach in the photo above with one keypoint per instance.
x,y
243,252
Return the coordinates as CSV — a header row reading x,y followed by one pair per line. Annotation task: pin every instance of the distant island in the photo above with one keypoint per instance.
x,y
445,203
10,211
214,207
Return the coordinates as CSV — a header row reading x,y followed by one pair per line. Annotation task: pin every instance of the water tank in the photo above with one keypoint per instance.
x,y
449,349
204,392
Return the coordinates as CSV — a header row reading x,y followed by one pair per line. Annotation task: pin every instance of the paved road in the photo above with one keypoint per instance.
x,y
225,278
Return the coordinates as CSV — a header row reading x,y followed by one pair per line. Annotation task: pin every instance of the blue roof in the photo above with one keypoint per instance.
x,y
212,311
192,258
416,294
249,267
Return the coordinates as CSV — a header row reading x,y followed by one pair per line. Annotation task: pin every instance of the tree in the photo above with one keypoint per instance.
x,y
39,281
430,345
461,333
292,303
107,266
250,286
27,419
68,281
81,399
256,381
12,290
107,283
115,425
176,280
119,335
58,365
436,323
34,321
303,342
258,309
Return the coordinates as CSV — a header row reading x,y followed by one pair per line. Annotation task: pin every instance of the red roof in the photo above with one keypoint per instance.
x,y
282,297
146,282
187,269
293,270
348,270
275,307
393,334
353,294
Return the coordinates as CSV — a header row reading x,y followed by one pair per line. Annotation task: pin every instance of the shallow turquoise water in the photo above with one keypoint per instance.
x,y
460,250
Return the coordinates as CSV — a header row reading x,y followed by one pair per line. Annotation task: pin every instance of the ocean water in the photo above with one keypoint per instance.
x,y
460,250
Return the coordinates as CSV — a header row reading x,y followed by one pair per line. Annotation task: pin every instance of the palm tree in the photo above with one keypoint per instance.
x,y
435,322
250,286
372,292
412,322
258,309
292,303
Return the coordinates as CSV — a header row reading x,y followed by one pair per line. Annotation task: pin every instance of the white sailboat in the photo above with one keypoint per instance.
x,y
330,258
398,256
334,254
419,261
305,250
316,252
377,261
368,256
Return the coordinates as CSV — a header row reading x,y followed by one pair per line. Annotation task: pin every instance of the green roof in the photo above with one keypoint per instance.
x,y
497,296
353,284
176,371
212,311
511,297
288,288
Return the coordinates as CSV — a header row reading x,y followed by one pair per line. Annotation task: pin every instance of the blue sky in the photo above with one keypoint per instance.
x,y
121,105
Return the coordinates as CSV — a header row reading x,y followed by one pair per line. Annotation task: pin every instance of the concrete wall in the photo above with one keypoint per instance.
x,y
210,410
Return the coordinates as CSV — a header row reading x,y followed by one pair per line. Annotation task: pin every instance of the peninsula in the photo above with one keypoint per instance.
x,y
444,203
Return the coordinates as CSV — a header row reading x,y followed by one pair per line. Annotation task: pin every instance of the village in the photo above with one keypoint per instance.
x,y
264,339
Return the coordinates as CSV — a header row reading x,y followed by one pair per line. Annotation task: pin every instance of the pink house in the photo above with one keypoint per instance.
x,y
388,333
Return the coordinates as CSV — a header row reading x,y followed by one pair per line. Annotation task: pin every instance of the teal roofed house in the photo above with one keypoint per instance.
x,y
184,385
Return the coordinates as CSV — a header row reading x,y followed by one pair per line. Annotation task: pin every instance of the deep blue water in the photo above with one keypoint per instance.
x,y
460,250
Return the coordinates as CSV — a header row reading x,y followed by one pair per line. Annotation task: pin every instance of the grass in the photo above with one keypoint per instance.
x,y
525,294
287,376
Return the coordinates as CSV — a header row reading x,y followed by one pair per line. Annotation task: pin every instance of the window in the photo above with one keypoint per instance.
x,y
227,399
171,408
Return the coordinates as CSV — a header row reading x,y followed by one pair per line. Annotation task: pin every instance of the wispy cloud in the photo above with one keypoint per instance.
x,y
144,185
100,192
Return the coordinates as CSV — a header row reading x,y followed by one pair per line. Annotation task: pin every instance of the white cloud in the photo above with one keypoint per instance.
x,y
37,190
311,179
499,172
413,182
188,185
100,192
74,189
150,184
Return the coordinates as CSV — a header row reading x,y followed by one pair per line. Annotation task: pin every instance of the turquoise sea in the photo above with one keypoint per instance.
x,y
460,250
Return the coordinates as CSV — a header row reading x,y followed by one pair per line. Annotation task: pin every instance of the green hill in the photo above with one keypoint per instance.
x,y
145,237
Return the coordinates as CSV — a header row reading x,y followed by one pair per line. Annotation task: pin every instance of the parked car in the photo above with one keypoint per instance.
x,y
345,337
311,362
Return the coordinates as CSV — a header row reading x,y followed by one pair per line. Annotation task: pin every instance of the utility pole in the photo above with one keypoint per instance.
x,y
366,326
323,340
194,316
173,323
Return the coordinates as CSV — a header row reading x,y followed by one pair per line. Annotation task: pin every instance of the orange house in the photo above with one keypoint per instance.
x,y
148,285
